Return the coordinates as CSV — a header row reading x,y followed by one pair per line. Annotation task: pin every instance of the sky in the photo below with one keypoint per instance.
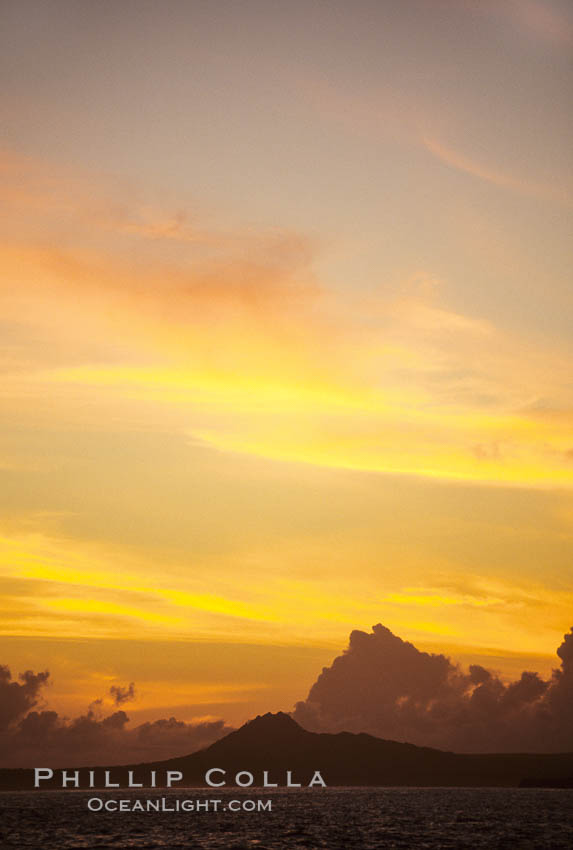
x,y
286,338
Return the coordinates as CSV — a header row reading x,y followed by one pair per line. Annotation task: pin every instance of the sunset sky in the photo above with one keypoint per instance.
x,y
286,341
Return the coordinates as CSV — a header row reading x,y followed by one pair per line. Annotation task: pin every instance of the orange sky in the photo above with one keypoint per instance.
x,y
286,344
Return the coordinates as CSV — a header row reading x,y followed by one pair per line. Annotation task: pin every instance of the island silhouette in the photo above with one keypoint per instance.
x,y
278,745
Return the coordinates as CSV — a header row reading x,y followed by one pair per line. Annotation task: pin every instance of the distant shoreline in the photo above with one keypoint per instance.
x,y
297,757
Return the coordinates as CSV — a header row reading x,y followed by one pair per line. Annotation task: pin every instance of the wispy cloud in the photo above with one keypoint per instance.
x,y
403,118
255,355
465,164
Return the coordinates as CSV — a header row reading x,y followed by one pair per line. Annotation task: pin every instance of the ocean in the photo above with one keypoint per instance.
x,y
332,818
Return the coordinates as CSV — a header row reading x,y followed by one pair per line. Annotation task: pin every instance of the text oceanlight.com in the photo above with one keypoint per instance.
x,y
168,804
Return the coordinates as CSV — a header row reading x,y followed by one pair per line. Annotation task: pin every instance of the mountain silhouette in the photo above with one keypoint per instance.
x,y
275,743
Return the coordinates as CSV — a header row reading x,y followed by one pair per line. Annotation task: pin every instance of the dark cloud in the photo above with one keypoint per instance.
x,y
121,695
29,737
17,699
386,687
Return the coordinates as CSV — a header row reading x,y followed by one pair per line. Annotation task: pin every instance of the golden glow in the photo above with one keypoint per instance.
x,y
104,593
225,438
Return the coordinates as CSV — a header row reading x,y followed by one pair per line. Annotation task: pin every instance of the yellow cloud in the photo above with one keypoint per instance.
x,y
403,386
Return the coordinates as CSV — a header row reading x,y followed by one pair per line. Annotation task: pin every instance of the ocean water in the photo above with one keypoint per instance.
x,y
349,819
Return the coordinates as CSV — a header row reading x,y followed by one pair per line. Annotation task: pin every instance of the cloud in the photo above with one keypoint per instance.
x,y
100,276
17,698
29,736
467,165
385,686
31,187
235,343
48,204
403,117
121,695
